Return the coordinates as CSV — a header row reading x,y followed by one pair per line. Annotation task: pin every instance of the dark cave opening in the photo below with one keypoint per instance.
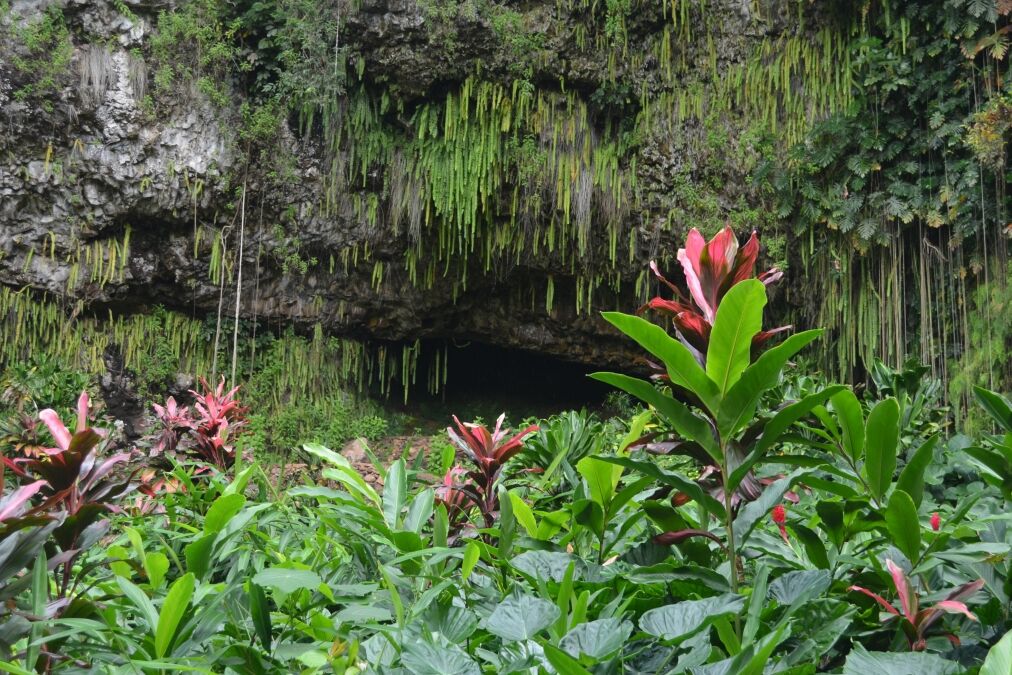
x,y
484,380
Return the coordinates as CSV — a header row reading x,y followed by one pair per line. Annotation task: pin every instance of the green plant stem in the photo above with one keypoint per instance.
x,y
731,546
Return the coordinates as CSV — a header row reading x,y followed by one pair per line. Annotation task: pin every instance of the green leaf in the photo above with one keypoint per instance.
x,y
522,512
882,436
674,623
521,617
260,611
342,472
395,493
563,663
471,555
681,365
597,639
678,415
547,565
173,610
911,478
798,587
602,479
739,404
222,510
156,565
685,485
140,601
198,555
904,528
739,318
999,659
421,658
776,427
862,662
288,580
420,510
996,405
851,418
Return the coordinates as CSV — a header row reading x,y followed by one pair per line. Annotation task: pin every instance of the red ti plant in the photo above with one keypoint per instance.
x,y
914,621
219,415
489,451
78,484
176,422
710,270
450,494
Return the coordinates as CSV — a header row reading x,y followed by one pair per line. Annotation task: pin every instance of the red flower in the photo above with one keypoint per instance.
x,y
936,521
779,515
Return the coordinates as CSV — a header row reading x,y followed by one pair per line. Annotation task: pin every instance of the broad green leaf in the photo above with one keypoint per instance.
x,y
156,565
775,428
395,493
422,658
862,662
681,365
739,404
118,556
198,555
799,586
739,318
691,488
522,512
547,565
999,659
288,580
454,623
260,612
882,436
851,419
471,554
825,621
222,510
674,623
343,472
563,663
140,601
996,405
901,521
521,617
911,478
173,610
602,479
420,511
597,639
678,415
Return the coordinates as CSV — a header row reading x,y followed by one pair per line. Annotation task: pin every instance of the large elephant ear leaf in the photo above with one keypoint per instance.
x,y
739,318
882,436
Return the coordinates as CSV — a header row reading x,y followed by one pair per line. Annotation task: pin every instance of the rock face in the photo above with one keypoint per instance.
x,y
108,198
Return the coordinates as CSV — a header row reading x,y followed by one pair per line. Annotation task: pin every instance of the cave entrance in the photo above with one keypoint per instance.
x,y
483,381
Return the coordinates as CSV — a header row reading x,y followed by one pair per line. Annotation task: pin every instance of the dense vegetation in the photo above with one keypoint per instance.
x,y
214,490
742,521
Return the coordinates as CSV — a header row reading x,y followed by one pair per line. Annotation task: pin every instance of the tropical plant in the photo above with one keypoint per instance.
x,y
719,420
488,451
994,457
710,270
914,621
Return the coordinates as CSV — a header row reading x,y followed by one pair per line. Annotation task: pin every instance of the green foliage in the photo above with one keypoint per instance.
x,y
39,50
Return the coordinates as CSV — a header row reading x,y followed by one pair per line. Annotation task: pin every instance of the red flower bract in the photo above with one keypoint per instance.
x,y
936,521
779,514
710,270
